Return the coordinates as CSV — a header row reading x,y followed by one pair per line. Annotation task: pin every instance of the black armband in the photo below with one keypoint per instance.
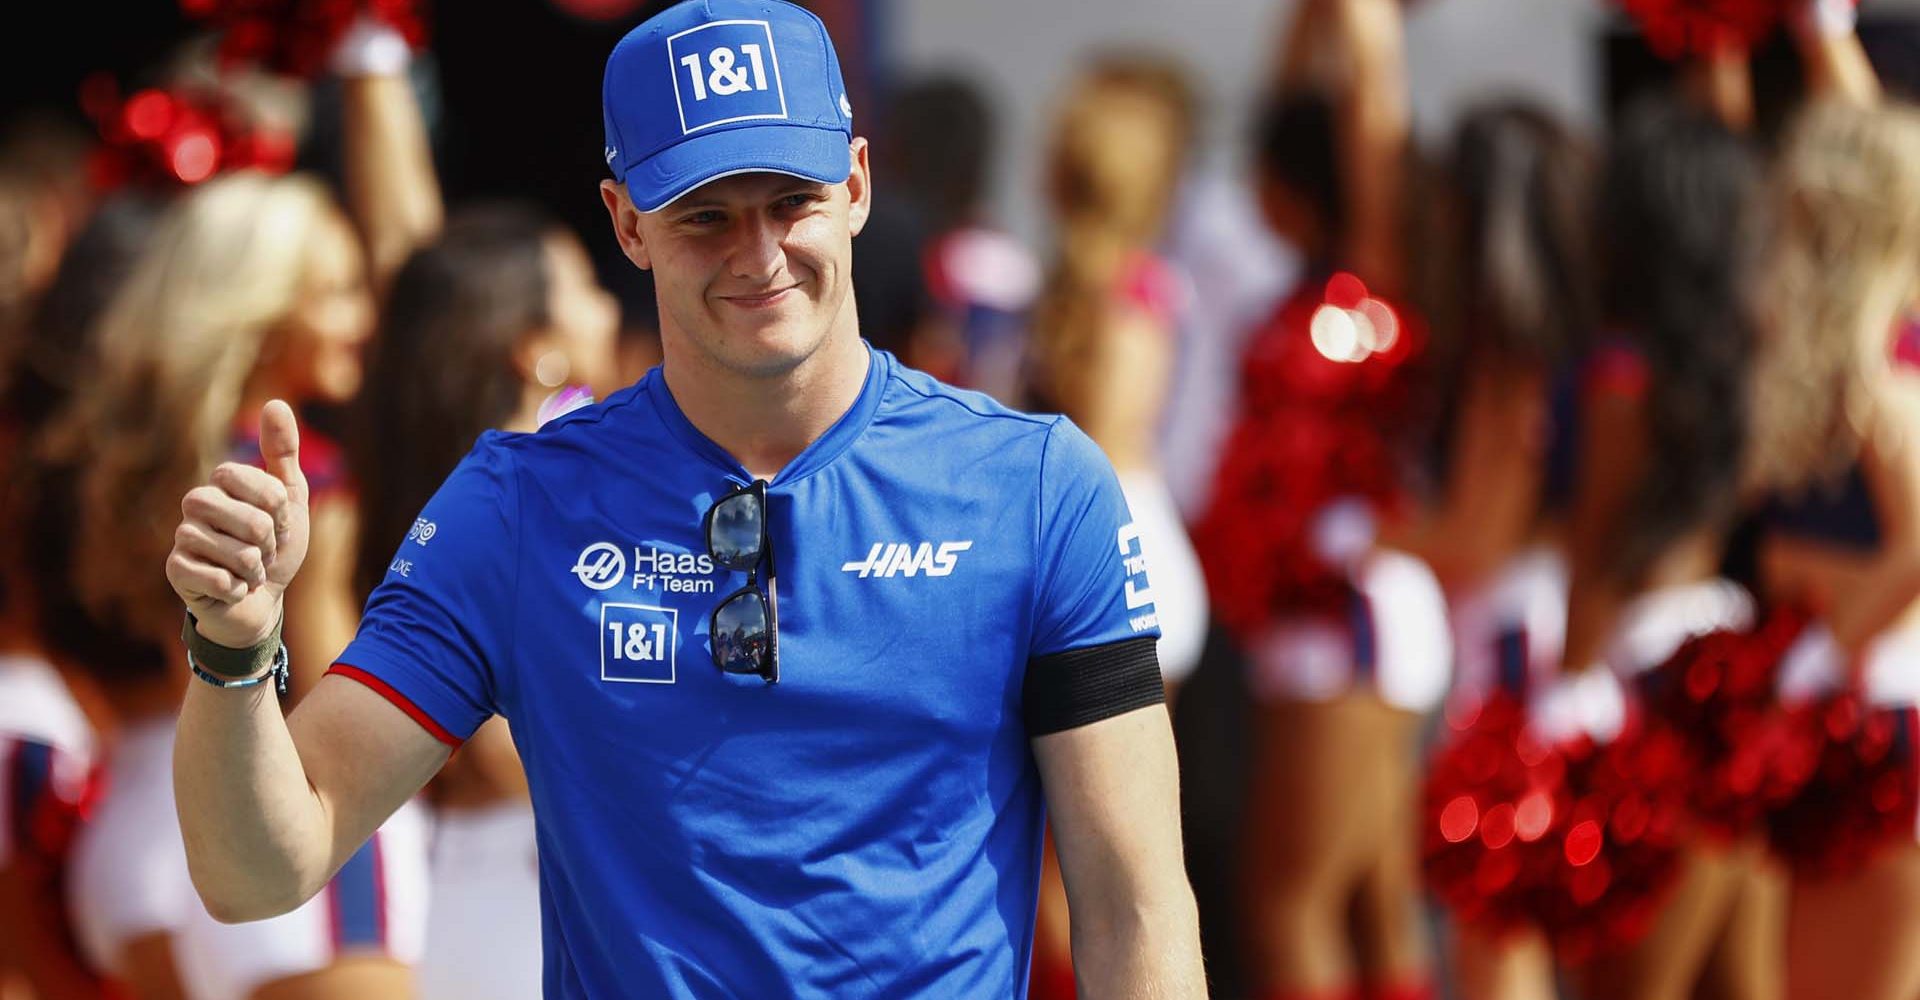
x,y
1082,686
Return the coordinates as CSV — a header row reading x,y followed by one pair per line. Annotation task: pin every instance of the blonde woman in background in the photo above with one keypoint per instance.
x,y
1102,350
251,288
47,736
1837,414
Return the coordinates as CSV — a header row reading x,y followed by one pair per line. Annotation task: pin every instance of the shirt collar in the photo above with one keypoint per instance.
x,y
813,458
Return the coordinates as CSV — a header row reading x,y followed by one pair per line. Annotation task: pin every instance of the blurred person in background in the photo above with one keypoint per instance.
x,y
1345,639
47,739
941,136
1238,271
1103,327
1837,409
1101,347
483,329
43,172
1663,428
896,311
638,345
249,284
1832,419
1514,259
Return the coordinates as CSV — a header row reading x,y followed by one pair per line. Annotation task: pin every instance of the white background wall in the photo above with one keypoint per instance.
x,y
1023,51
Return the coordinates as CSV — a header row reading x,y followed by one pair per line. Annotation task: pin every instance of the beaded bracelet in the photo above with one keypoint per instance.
x,y
278,673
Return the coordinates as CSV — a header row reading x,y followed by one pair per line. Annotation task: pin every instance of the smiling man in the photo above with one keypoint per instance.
x,y
800,647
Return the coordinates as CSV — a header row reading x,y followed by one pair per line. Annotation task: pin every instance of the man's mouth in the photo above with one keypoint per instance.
x,y
761,300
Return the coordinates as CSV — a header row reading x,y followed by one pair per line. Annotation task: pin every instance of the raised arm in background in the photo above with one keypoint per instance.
x,y
393,200
392,192
1831,55
1355,52
1372,119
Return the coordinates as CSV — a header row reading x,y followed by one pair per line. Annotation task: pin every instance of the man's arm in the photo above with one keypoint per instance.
x,y
1113,790
271,807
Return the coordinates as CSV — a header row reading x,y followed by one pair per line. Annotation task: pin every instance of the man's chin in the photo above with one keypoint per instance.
x,y
767,350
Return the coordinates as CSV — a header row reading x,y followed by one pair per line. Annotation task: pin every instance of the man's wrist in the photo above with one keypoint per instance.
x,y
228,661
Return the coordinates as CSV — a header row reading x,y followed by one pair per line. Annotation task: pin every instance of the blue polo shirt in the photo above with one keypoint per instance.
x,y
870,826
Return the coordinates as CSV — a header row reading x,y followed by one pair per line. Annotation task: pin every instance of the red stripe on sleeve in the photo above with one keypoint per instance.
x,y
400,701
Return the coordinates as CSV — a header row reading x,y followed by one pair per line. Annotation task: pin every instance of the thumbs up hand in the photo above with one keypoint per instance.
x,y
242,538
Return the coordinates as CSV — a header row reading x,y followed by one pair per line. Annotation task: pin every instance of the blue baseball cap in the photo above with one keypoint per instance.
x,y
711,88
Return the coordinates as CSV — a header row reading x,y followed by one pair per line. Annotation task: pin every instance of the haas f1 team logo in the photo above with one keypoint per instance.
x,y
601,565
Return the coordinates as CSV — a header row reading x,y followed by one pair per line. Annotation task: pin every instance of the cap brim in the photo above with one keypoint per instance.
x,y
814,154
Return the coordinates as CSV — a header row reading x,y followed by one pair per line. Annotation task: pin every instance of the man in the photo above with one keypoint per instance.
x,y
792,639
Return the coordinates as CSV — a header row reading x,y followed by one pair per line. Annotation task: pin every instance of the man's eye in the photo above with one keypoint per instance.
x,y
702,218
796,201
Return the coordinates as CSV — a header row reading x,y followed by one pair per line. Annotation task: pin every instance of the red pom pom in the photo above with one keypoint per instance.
x,y
1865,792
1717,692
160,138
1579,840
1313,428
1676,28
296,37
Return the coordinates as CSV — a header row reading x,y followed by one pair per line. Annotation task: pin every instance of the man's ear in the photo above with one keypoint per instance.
x,y
626,223
859,188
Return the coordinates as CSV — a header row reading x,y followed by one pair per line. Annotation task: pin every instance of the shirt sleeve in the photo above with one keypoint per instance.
x,y
438,630
1092,588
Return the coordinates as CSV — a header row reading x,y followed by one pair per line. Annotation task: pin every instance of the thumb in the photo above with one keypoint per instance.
x,y
280,448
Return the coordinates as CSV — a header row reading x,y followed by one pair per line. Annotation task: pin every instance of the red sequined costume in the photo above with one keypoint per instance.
x,y
1313,463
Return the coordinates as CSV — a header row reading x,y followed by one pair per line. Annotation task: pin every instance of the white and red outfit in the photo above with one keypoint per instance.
x,y
483,924
46,746
1288,539
130,881
1510,631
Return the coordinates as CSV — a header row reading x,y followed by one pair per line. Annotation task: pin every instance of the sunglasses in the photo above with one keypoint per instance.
x,y
744,629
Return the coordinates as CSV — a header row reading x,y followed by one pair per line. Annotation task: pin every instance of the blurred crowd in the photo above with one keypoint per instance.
x,y
1533,523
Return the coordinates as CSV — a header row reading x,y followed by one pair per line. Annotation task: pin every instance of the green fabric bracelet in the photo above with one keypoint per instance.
x,y
226,661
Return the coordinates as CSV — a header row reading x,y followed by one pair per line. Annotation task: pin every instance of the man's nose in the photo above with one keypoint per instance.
x,y
757,254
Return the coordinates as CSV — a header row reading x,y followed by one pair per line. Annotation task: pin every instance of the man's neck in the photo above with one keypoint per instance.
x,y
765,423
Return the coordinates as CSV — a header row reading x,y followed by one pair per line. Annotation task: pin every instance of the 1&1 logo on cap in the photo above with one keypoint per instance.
x,y
725,72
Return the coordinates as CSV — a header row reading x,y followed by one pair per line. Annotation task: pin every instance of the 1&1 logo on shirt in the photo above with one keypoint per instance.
x,y
638,643
725,72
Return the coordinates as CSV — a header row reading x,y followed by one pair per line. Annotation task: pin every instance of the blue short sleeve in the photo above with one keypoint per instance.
x,y
438,629
1092,587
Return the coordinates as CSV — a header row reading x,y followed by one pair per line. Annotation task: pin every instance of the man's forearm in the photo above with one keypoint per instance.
x,y
1148,952
257,837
